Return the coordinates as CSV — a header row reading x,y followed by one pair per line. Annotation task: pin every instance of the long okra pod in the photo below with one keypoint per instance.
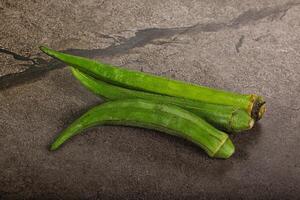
x,y
166,118
252,103
227,118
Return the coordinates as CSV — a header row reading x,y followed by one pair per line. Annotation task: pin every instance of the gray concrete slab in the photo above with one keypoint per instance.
x,y
242,46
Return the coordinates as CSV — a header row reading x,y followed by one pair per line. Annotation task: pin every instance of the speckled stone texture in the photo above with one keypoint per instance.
x,y
238,45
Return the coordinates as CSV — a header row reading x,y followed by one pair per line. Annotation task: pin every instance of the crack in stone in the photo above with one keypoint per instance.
x,y
40,67
253,15
239,44
16,56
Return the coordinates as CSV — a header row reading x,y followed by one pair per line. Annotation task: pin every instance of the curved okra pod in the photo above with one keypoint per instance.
x,y
253,104
166,118
226,118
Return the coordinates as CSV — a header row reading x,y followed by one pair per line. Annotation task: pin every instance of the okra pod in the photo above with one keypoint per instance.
x,y
227,118
143,113
252,103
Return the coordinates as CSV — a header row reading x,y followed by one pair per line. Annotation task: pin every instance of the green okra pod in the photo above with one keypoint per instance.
x,y
227,118
253,104
147,114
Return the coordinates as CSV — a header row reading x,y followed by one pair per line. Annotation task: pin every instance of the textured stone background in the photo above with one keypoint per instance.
x,y
239,45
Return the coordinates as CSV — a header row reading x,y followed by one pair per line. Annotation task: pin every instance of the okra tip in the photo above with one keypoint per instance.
x,y
55,145
48,51
44,48
52,148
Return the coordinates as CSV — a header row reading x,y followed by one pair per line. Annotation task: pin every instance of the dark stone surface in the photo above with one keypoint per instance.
x,y
243,46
